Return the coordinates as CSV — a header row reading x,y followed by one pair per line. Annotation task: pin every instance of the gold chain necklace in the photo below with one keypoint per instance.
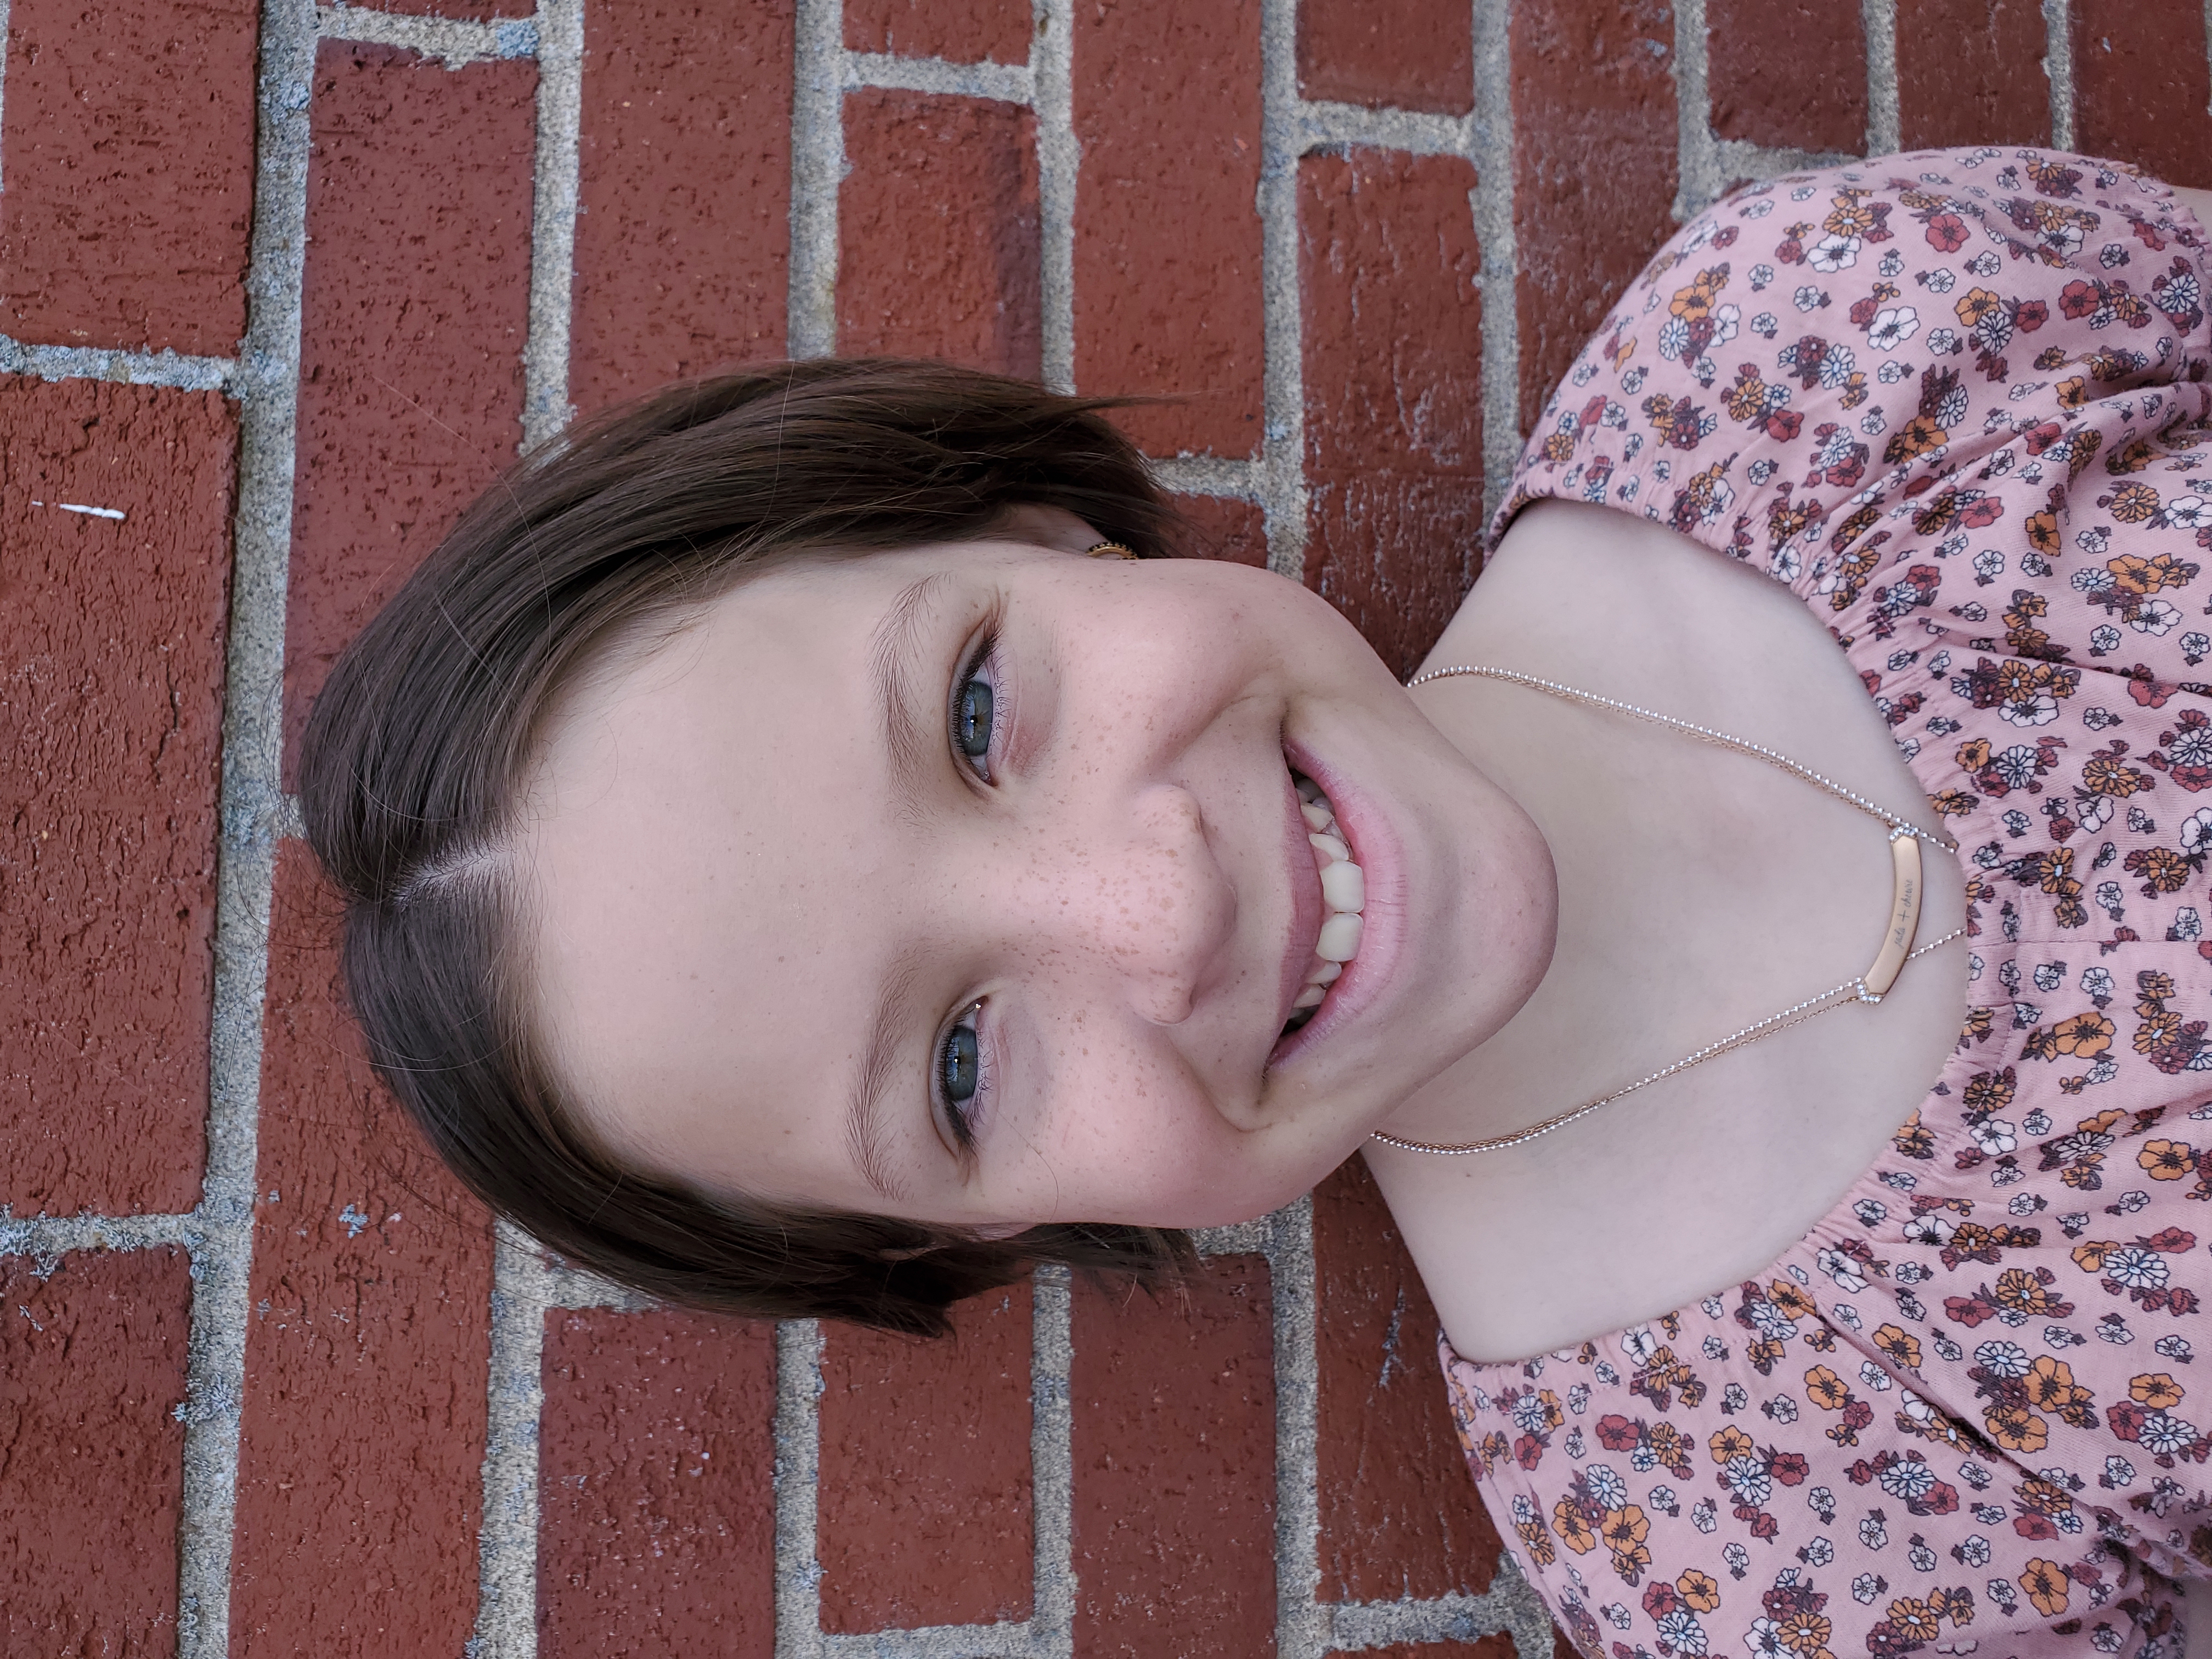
x,y
1904,839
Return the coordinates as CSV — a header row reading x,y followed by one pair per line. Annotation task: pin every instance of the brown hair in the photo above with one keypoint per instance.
x,y
420,743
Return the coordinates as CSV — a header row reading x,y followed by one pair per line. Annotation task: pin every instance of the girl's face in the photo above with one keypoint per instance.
x,y
969,884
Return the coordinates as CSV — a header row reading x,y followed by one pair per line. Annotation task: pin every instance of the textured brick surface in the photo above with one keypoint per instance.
x,y
1393,390
1415,54
1499,1646
685,182
1970,72
1167,225
1399,1516
111,693
465,8
413,315
937,231
127,153
1222,527
958,31
1172,1404
1594,169
2141,85
361,1447
92,1369
656,1474
924,1516
1789,73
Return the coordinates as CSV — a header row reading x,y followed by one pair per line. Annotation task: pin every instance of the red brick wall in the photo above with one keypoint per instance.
x,y
273,305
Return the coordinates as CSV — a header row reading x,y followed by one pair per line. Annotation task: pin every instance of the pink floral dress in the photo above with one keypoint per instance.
x,y
1958,403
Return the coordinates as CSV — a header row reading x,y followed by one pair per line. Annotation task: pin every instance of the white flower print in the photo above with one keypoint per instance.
x,y
1841,1268
1747,1480
2135,1267
1606,1485
1681,1631
1808,298
1703,1516
2038,709
1832,253
2188,513
2155,617
1638,1344
1893,327
2174,1348
1995,1136
1943,341
1764,1638
2163,1434
2005,1359
1908,1479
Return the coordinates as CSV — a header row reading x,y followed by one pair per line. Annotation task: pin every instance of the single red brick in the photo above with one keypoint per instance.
x,y
1788,73
1173,1401
684,244
1417,54
2141,85
924,1512
1594,169
92,1371
937,231
1223,527
1970,72
361,1456
110,704
958,31
1392,392
657,1486
413,313
1398,1513
127,148
1167,223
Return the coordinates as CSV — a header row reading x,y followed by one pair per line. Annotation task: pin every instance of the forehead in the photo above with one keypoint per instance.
x,y
710,826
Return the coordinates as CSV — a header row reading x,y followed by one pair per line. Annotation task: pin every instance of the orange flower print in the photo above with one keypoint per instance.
x,y
1898,1346
2043,531
1623,1530
2019,1289
1700,1590
2157,1390
1955,1605
2016,1428
1695,303
1826,1389
1730,1441
2167,1160
2046,1583
1805,1632
2073,392
1979,303
1916,437
1914,1621
2132,503
1792,1298
2084,1036
2052,1387
1573,1526
2151,575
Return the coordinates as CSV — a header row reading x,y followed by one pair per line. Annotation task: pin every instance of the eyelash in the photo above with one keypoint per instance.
x,y
957,1113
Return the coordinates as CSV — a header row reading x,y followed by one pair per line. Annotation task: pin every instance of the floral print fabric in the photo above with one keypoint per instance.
x,y
1958,402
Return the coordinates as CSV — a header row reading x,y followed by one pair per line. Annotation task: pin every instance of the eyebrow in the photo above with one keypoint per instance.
x,y
864,1115
892,651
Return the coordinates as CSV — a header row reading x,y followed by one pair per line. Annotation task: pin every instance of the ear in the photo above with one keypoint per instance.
x,y
1045,526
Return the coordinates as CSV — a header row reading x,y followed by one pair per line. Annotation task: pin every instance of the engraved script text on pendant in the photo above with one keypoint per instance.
x,y
1904,916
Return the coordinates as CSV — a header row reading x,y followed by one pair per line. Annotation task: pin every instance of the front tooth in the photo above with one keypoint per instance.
x,y
1339,938
1344,887
1334,851
1308,791
1318,817
1310,998
1326,973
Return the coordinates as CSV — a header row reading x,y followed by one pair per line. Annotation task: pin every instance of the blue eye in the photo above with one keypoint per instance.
x,y
959,1073
971,720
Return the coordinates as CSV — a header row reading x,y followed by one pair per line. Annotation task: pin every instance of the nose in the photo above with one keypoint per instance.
x,y
1136,897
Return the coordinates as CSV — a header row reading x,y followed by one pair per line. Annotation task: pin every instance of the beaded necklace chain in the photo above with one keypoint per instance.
x,y
1870,987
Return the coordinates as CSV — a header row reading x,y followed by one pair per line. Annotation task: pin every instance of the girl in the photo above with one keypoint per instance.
x,y
783,873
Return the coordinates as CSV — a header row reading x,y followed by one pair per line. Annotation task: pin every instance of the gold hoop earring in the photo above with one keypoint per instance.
x,y
1104,549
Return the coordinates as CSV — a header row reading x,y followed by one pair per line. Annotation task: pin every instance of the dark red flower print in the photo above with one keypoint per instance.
x,y
1947,233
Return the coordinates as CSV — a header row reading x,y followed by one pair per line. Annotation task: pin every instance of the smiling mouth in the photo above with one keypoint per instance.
x,y
1344,897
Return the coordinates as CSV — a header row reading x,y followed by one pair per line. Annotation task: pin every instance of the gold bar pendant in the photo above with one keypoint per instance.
x,y
1904,916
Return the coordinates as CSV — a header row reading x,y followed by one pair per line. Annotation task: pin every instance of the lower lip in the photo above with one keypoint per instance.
x,y
1383,929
